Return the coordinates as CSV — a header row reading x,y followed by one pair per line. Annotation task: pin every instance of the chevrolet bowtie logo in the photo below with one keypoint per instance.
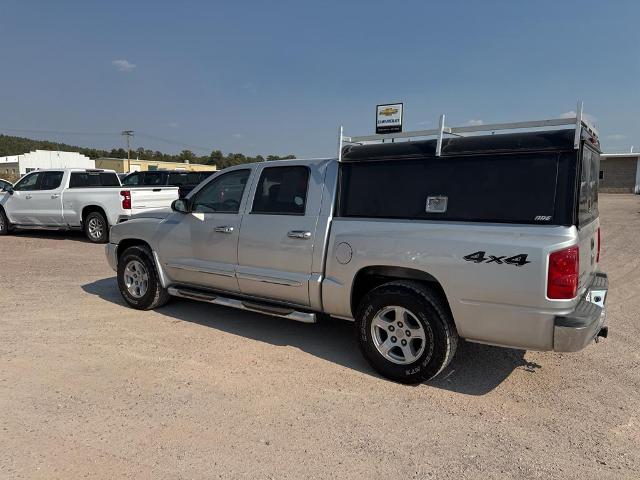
x,y
387,112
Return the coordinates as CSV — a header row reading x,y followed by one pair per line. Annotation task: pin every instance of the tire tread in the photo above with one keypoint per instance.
x,y
160,295
435,300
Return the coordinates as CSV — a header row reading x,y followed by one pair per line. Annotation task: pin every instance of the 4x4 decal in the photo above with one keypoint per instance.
x,y
480,257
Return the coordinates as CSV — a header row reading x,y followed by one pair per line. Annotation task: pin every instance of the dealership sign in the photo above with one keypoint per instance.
x,y
389,118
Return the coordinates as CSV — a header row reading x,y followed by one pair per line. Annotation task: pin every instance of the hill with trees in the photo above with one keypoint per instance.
x,y
10,145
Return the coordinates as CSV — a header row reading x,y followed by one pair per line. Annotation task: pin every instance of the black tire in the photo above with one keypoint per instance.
x,y
96,228
426,308
154,296
4,223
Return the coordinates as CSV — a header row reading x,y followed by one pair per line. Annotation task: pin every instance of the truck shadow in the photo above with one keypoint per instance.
x,y
475,370
72,235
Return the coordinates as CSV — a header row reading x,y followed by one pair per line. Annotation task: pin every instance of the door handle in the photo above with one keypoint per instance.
x,y
301,234
27,197
55,195
224,229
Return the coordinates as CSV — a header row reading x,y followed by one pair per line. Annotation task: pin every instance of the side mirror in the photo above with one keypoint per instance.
x,y
180,205
8,189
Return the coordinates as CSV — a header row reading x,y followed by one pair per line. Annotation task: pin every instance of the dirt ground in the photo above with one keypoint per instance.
x,y
92,389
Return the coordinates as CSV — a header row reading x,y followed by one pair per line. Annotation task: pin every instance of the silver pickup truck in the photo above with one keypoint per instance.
x,y
490,238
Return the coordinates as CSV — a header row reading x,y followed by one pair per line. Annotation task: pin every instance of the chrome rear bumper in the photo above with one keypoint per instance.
x,y
576,330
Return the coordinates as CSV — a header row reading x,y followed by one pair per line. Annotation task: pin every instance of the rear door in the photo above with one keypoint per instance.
x,y
278,233
588,215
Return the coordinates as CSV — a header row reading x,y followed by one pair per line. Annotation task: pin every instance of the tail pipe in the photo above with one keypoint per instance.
x,y
603,333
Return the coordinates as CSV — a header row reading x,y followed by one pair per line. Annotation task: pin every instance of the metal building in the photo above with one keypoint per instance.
x,y
122,165
18,165
620,172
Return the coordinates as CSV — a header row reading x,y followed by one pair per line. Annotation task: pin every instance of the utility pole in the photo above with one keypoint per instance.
x,y
128,134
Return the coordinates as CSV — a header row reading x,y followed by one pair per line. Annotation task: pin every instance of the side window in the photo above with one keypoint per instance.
x,y
177,179
595,182
131,180
28,182
223,194
282,191
153,178
589,179
109,179
50,180
93,179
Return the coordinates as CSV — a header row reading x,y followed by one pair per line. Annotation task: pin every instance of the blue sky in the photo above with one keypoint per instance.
x,y
281,76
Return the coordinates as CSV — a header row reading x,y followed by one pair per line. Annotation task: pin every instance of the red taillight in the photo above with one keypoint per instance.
x,y
126,199
598,254
564,268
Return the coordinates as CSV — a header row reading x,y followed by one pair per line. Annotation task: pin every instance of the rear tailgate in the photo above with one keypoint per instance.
x,y
151,198
588,243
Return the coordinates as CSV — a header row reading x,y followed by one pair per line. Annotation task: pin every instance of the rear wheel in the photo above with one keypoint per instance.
x,y
96,227
406,332
4,223
138,279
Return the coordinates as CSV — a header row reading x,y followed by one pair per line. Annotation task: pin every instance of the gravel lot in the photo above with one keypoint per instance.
x,y
92,389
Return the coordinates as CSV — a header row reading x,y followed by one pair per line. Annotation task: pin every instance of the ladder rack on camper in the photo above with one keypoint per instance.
x,y
579,122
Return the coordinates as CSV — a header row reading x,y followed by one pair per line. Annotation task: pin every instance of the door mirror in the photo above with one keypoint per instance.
x,y
8,189
181,205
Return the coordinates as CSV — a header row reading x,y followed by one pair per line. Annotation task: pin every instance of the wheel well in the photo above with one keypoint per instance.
x,y
371,277
90,209
131,242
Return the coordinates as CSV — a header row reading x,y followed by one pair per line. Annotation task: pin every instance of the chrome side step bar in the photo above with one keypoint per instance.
x,y
252,306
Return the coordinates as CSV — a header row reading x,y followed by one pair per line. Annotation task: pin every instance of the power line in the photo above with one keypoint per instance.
x,y
174,142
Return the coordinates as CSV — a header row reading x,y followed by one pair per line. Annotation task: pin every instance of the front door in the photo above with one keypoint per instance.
x,y
277,237
200,248
46,201
19,206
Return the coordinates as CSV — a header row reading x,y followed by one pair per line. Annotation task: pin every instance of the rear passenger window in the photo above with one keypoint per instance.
x,y
153,179
93,179
50,180
282,191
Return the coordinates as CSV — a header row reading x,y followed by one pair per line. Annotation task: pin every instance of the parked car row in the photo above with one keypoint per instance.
x,y
185,181
90,200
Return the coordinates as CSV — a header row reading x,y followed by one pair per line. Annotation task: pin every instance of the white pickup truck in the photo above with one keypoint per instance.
x,y
75,199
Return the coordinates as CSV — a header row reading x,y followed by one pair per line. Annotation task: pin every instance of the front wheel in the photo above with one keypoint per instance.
x,y
406,332
96,227
138,280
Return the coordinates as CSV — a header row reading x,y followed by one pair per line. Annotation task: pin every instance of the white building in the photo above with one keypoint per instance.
x,y
39,159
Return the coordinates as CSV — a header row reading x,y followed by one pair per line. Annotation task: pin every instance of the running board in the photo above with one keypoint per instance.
x,y
251,306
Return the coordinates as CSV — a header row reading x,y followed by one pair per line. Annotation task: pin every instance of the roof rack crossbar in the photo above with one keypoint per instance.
x,y
578,122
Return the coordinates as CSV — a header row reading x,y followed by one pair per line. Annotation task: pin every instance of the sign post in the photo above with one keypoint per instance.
x,y
389,118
